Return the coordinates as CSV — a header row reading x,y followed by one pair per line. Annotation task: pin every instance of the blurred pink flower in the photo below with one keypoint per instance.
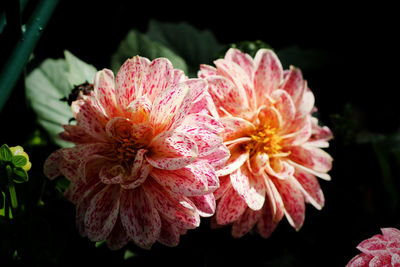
x,y
274,141
145,154
379,250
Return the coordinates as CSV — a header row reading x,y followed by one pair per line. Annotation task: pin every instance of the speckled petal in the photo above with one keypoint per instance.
x,y
306,104
102,213
230,207
112,173
246,222
179,210
242,59
75,134
238,157
159,77
205,204
218,157
118,237
206,70
266,225
294,84
361,260
169,235
274,199
293,201
138,178
235,127
268,74
309,185
139,217
105,93
249,187
284,104
375,246
172,151
130,80
311,157
51,165
390,233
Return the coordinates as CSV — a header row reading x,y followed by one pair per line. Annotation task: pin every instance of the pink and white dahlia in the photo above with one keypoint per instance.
x,y
143,165
379,250
275,143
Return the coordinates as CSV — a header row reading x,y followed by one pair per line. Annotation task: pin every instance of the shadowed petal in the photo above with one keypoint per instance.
x,y
246,222
169,234
230,207
139,217
118,237
75,134
205,204
238,157
102,213
51,165
266,225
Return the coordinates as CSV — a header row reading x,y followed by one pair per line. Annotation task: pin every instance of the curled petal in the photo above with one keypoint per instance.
x,y
112,174
206,70
284,104
238,157
361,260
311,157
105,93
205,204
235,127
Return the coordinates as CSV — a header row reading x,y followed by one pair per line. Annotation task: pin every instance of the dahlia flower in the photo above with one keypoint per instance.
x,y
379,250
274,141
146,149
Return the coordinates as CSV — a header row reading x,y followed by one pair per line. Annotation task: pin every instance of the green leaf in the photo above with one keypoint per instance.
x,y
136,43
47,84
5,153
62,184
194,46
19,161
2,201
13,195
20,175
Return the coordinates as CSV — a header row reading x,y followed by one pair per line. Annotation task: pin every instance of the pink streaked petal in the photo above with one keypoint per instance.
x,y
205,204
309,185
266,224
242,59
293,201
239,156
206,70
361,260
160,76
218,157
246,222
230,207
320,132
381,261
375,246
169,235
77,190
274,199
235,127
172,151
258,163
89,119
69,169
105,93
202,121
284,104
138,178
395,260
249,187
390,233
240,79
293,84
102,213
118,237
268,74
321,175
139,218
179,76
130,80
225,95
137,163
301,133
311,157
75,134
179,210
51,165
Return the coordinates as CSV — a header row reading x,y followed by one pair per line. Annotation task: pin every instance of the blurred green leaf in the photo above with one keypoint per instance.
x,y
248,47
19,161
13,195
62,184
194,46
136,43
47,84
5,153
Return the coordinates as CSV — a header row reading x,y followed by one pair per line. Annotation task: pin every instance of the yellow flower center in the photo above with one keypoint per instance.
x,y
265,140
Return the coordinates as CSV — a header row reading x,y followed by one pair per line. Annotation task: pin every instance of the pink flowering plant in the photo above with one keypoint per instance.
x,y
181,149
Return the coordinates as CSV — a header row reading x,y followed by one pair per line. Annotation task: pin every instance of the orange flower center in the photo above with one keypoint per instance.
x,y
126,150
265,140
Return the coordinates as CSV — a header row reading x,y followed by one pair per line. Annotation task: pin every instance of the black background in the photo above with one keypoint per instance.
x,y
361,71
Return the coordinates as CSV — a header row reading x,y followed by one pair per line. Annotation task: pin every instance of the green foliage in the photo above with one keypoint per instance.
x,y
194,46
249,47
136,43
5,153
50,82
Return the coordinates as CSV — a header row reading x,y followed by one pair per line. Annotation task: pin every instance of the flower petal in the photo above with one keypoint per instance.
x,y
105,93
130,80
51,165
171,151
361,260
169,235
159,77
375,246
139,217
230,207
284,104
118,237
102,213
242,59
293,201
306,104
178,210
278,168
390,233
138,178
311,157
235,127
75,134
266,224
111,173
246,222
249,187
294,84
274,199
218,157
268,74
238,157
205,204
191,180
206,70
309,185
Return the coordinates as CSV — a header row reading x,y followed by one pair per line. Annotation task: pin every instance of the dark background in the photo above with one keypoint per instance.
x,y
355,89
